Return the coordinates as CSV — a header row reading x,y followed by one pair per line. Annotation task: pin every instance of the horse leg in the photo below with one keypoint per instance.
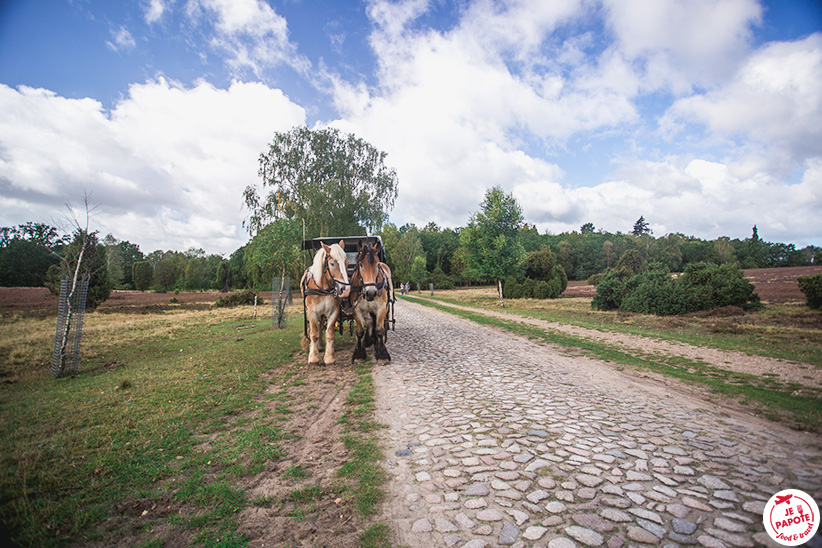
x,y
369,329
380,351
328,359
359,352
314,340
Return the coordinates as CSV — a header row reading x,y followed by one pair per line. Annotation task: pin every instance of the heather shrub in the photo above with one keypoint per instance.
x,y
703,286
811,286
236,298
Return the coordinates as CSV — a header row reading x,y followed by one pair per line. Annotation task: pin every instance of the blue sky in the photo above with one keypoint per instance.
x,y
703,116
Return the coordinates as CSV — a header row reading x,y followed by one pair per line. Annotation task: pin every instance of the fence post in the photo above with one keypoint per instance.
x,y
431,287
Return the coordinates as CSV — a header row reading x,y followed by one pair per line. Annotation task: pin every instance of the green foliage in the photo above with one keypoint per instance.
x,y
611,289
811,286
338,184
632,261
223,279
418,272
121,256
641,227
441,280
94,265
141,275
26,253
491,239
703,286
166,273
713,286
273,250
653,292
407,246
24,263
545,278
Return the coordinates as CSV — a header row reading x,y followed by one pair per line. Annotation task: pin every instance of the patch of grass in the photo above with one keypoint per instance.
x,y
158,398
363,468
296,472
802,409
376,536
306,494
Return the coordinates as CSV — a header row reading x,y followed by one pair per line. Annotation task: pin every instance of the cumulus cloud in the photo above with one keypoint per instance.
x,y
496,98
774,98
251,33
679,44
167,163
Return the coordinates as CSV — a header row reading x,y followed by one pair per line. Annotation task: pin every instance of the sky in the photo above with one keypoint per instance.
x,y
702,116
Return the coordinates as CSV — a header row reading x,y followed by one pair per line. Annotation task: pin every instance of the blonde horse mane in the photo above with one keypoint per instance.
x,y
316,269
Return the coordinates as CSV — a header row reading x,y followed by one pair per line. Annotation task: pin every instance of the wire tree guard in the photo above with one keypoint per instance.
x,y
66,357
280,298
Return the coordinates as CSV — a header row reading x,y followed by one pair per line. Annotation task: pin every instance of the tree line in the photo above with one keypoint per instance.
x,y
30,255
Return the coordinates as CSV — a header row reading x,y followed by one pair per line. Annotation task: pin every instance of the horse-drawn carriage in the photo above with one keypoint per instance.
x,y
362,294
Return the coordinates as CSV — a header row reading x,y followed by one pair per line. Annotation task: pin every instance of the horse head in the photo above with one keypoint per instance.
x,y
368,266
335,264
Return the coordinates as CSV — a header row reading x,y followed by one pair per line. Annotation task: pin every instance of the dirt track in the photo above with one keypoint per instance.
x,y
495,440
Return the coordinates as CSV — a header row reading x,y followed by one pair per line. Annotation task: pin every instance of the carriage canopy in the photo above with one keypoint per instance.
x,y
350,246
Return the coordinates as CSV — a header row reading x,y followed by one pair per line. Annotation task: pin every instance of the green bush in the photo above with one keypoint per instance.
x,y
703,286
441,280
811,286
544,278
653,292
246,296
709,286
611,289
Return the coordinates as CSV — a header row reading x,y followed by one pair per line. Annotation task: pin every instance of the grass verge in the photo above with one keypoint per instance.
x,y
798,406
155,426
363,469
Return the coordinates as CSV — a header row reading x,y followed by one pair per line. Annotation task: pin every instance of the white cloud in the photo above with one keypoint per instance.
x,y
250,32
167,165
122,40
154,10
683,43
456,109
775,98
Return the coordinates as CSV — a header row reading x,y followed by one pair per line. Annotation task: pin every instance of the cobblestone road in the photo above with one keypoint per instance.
x,y
497,441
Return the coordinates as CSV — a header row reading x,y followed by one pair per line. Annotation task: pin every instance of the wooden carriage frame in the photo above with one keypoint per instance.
x,y
351,250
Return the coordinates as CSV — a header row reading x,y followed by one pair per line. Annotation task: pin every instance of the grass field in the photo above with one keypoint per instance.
x,y
173,418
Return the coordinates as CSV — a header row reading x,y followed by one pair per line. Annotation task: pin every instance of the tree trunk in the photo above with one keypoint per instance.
x,y
64,338
501,301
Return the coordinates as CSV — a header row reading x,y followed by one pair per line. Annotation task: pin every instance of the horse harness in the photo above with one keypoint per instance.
x,y
346,307
306,291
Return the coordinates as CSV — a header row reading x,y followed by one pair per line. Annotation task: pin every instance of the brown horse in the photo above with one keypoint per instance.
x,y
374,292
323,285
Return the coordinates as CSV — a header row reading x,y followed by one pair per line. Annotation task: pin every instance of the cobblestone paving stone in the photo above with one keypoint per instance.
x,y
497,441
